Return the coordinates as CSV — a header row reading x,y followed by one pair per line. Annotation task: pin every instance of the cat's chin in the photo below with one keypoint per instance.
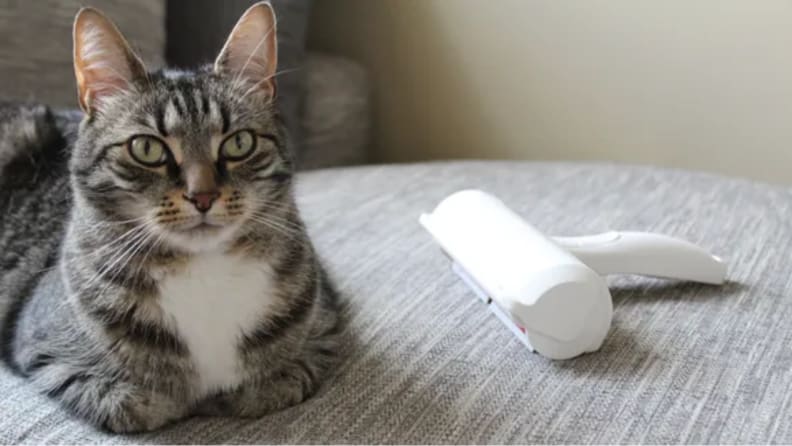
x,y
202,237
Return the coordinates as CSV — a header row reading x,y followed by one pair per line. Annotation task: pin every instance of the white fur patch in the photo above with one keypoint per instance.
x,y
212,303
171,118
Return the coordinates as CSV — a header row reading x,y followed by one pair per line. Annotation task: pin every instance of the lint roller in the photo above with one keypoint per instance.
x,y
550,291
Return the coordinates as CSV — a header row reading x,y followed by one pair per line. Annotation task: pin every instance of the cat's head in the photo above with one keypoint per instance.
x,y
192,156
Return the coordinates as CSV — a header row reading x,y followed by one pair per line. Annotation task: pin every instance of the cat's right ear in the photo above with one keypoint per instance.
x,y
104,64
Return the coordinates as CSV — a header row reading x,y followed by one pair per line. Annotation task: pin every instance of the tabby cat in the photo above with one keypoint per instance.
x,y
153,264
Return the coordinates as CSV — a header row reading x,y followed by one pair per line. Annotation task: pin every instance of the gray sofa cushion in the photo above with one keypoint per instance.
x,y
336,115
36,53
427,363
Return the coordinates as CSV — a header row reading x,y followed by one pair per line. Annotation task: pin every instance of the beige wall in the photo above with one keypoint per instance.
x,y
697,84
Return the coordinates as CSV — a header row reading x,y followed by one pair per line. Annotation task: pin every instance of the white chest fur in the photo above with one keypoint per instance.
x,y
211,303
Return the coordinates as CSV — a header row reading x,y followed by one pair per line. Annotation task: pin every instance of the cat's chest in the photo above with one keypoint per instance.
x,y
212,302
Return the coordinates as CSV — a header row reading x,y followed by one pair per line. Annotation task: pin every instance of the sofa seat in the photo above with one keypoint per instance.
x,y
427,363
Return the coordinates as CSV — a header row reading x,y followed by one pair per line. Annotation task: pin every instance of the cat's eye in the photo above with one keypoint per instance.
x,y
148,150
238,146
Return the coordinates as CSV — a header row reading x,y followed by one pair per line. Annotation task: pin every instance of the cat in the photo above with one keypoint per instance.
x,y
153,262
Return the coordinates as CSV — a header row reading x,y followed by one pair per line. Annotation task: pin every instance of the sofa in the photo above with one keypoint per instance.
x,y
425,362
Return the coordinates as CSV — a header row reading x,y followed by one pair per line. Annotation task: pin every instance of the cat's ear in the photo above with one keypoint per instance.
x,y
104,64
250,54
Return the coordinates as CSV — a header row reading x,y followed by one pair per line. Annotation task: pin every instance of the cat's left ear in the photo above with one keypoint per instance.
x,y
250,54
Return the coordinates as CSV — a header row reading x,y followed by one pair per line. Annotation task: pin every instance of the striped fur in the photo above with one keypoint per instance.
x,y
82,301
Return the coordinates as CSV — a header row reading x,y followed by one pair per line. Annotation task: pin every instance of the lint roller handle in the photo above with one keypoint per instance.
x,y
645,254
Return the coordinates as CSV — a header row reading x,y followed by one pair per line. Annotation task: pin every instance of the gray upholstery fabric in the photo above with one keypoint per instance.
x,y
427,363
36,49
197,30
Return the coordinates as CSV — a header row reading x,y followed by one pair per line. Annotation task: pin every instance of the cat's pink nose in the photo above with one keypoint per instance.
x,y
202,200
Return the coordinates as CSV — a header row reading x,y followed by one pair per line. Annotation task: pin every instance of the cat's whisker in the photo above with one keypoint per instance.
x,y
127,256
278,230
101,250
292,234
71,258
121,222
104,270
288,228
130,242
291,227
151,249
131,255
272,212
268,219
263,207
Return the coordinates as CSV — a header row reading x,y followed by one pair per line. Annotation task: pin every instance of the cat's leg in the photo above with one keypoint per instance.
x,y
116,405
121,386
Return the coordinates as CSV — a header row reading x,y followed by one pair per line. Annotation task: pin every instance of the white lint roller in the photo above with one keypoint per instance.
x,y
549,290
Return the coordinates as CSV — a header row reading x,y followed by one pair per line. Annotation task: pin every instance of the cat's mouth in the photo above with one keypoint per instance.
x,y
203,226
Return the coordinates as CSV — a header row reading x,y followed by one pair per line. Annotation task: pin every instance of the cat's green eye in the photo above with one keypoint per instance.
x,y
148,150
238,146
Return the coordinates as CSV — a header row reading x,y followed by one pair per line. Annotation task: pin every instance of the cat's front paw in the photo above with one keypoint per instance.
x,y
130,422
291,386
140,415
115,405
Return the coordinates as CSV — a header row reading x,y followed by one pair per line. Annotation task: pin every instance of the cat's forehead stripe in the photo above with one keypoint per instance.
x,y
189,101
178,102
201,102
225,119
187,104
159,121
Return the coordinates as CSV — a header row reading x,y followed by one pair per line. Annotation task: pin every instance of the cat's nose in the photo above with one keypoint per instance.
x,y
202,200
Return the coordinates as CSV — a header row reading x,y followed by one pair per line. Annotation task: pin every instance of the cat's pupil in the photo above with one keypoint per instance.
x,y
146,148
238,139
